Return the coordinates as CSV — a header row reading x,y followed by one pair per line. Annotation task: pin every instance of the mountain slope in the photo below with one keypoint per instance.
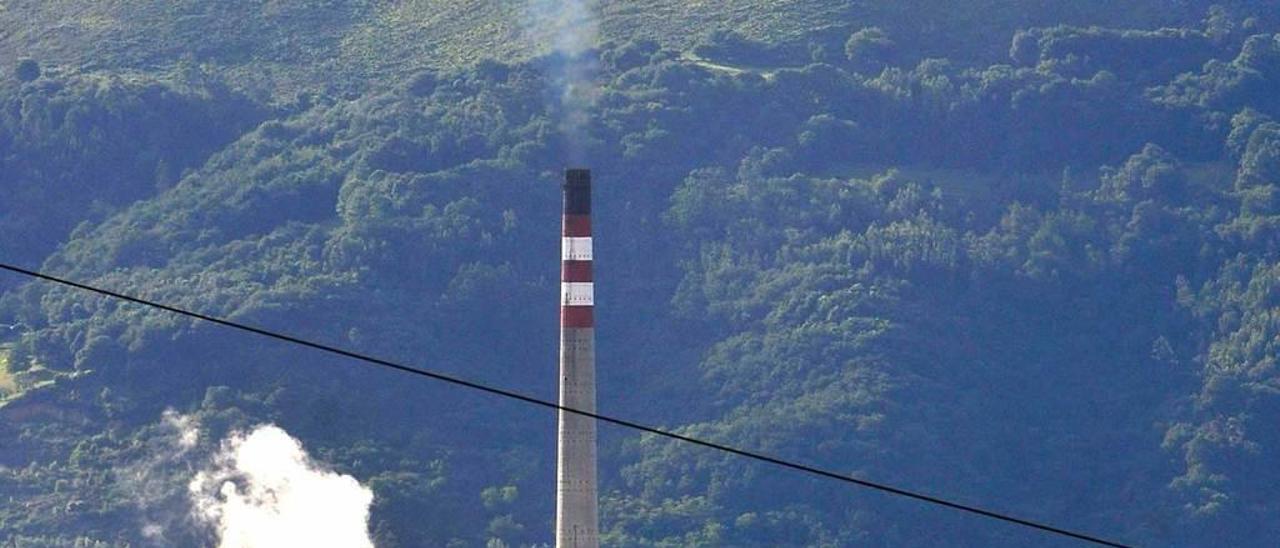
x,y
283,47
1045,287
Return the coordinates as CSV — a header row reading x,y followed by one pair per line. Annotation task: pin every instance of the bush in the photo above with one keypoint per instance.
x,y
27,70
869,49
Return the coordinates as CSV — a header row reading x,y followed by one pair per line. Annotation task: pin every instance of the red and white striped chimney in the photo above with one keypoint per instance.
x,y
577,295
577,521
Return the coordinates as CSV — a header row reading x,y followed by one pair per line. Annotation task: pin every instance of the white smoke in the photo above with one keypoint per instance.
x,y
185,431
148,481
573,23
263,490
574,31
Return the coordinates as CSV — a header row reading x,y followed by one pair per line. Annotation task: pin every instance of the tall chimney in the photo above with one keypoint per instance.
x,y
577,521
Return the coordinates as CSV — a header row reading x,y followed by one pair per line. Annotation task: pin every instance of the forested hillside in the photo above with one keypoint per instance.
x,y
1025,257
285,47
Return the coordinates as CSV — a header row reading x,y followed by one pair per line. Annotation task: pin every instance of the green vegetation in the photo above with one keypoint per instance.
x,y
27,70
282,48
1023,256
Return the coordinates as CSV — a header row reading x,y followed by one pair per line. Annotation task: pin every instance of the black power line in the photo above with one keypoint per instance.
x,y
551,405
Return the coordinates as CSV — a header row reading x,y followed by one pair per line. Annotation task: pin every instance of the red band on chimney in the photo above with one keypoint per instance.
x,y
575,271
577,226
577,316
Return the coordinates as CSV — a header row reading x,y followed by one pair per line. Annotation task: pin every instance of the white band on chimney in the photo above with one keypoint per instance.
x,y
576,249
577,293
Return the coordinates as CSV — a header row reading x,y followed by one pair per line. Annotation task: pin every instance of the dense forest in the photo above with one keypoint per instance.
x,y
1025,257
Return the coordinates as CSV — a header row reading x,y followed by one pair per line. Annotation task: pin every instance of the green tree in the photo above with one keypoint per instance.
x,y
869,49
28,70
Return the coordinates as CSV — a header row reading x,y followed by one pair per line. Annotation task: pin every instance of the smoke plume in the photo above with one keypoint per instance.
x,y
574,31
263,490
149,480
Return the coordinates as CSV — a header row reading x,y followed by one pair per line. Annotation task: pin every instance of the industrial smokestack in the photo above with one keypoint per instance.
x,y
577,521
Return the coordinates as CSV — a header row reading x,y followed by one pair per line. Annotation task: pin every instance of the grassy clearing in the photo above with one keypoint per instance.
x,y
8,384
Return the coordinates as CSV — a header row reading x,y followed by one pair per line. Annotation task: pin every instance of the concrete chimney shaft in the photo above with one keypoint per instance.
x,y
577,519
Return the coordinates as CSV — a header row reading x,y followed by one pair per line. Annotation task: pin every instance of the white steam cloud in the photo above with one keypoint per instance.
x,y
184,429
574,31
148,481
263,490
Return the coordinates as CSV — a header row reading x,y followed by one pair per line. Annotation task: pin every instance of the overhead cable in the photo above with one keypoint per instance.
x,y
761,457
